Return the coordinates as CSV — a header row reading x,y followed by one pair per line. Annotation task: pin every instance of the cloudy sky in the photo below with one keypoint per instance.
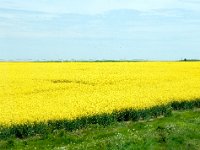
x,y
99,29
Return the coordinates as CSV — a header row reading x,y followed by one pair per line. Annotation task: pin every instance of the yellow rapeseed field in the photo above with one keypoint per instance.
x,y
47,91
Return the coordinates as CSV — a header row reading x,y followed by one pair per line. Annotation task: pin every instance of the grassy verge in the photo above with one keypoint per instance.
x,y
180,130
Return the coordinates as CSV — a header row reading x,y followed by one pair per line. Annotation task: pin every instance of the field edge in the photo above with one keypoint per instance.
x,y
42,128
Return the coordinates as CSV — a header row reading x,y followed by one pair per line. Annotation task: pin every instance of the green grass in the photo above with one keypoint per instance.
x,y
181,130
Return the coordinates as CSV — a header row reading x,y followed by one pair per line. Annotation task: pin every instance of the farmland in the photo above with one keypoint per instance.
x,y
42,92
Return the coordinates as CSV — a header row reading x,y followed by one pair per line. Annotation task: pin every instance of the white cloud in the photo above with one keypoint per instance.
x,y
97,6
22,18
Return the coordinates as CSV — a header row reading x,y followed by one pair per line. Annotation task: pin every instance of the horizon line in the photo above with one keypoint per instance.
x,y
100,60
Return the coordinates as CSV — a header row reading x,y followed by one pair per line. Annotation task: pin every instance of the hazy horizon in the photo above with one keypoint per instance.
x,y
99,30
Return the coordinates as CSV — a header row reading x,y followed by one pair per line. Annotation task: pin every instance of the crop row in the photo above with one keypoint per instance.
x,y
43,128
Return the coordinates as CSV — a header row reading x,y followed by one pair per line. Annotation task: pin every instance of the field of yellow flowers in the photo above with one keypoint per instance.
x,y
52,91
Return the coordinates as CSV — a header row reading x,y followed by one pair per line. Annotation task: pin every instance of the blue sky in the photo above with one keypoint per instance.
x,y
99,29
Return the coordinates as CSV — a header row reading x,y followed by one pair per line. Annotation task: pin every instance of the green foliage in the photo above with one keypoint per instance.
x,y
180,130
185,104
43,128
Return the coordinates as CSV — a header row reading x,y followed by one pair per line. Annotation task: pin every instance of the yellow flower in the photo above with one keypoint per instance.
x,y
51,91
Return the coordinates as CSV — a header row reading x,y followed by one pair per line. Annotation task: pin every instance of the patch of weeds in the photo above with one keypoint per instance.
x,y
162,134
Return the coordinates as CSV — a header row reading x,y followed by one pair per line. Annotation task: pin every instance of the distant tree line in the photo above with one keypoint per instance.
x,y
185,59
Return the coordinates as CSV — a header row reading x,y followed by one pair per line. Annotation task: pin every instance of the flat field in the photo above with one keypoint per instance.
x,y
35,92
